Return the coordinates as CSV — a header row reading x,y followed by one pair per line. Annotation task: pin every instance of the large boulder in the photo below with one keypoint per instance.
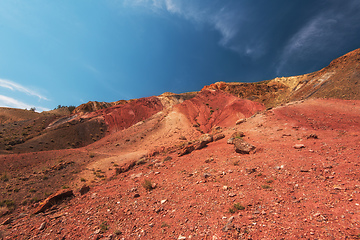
x,y
203,141
242,146
206,138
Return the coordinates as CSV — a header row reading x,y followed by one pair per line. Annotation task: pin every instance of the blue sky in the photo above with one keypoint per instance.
x,y
70,52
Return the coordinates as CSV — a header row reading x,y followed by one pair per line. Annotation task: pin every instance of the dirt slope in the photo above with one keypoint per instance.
x,y
215,193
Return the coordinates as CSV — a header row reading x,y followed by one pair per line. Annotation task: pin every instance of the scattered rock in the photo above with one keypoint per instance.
x,y
136,175
216,129
181,237
7,221
141,161
219,136
230,141
250,170
53,199
211,159
240,121
203,141
84,189
299,146
206,138
313,136
200,145
42,226
168,158
232,194
237,135
182,138
242,146
186,150
229,224
124,168
207,175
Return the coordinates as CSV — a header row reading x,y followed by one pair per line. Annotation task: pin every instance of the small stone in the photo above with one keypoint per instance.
x,y
232,194
181,237
136,195
230,141
313,136
299,146
228,225
163,201
42,226
240,121
135,175
219,136
207,175
211,159
7,221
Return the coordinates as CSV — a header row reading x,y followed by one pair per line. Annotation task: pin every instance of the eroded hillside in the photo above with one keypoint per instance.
x,y
267,160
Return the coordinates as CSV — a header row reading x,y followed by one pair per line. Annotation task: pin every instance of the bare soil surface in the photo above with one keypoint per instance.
x,y
302,181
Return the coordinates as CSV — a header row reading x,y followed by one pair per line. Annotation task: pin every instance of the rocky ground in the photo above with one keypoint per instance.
x,y
301,180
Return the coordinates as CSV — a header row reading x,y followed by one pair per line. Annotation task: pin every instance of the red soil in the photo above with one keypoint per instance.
x,y
123,116
216,108
287,193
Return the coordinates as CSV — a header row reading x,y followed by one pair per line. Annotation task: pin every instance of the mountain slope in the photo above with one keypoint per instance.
x,y
338,80
150,174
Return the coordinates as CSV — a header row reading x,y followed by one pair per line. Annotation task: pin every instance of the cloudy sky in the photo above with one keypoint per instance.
x,y
69,52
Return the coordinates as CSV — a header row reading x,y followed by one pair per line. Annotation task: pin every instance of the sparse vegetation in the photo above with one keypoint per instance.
x,y
238,206
164,224
236,163
4,177
148,185
82,179
104,226
265,187
10,204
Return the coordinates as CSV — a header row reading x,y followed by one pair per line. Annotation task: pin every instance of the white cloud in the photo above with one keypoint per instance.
x,y
226,20
17,87
13,103
323,33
